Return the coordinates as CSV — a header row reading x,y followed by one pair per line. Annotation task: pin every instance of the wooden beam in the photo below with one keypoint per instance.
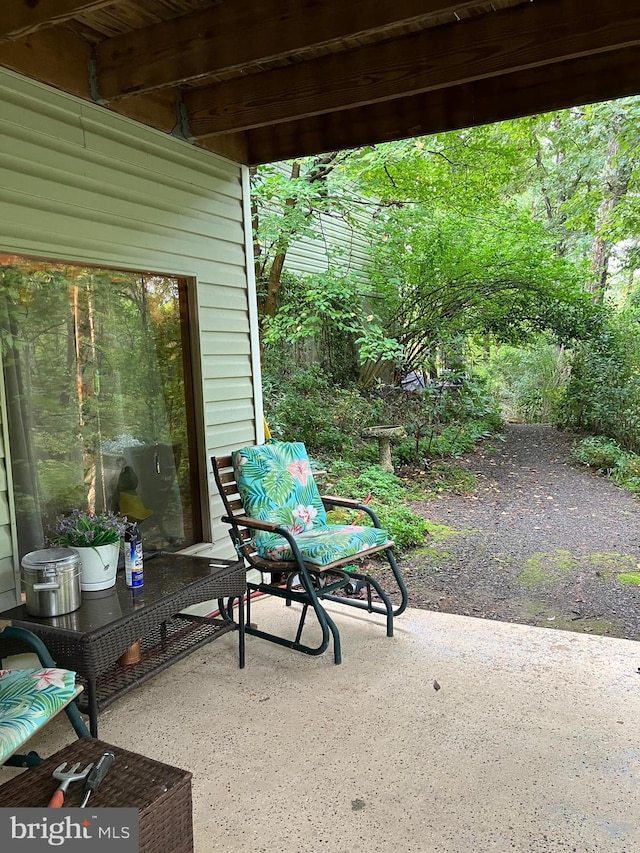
x,y
512,39
234,34
160,110
58,57
157,109
552,87
18,18
233,146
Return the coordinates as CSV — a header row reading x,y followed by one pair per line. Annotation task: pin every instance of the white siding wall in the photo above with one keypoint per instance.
x,y
348,245
81,184
345,243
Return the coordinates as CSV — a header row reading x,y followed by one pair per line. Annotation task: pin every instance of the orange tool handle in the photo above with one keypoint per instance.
x,y
361,513
57,800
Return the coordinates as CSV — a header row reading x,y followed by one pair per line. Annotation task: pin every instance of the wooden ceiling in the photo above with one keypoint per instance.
x,y
263,80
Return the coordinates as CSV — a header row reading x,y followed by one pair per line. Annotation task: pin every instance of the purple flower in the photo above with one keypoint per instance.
x,y
84,529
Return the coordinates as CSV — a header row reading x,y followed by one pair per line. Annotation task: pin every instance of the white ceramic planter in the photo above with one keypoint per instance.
x,y
99,567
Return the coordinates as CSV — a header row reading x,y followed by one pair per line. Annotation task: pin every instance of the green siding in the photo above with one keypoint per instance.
x,y
81,184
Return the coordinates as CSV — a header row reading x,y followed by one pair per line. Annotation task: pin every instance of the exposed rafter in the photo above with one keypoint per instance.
x,y
18,18
262,80
59,58
233,35
536,34
577,81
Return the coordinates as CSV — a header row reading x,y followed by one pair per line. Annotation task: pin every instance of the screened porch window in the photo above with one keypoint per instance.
x,y
96,372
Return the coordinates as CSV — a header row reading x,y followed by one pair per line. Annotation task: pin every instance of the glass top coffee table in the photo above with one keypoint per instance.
x,y
92,639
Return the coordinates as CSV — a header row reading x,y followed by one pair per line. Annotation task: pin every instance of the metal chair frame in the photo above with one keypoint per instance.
x,y
317,582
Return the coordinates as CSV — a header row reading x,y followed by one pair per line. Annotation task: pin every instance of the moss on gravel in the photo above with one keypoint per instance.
x,y
611,561
630,578
438,532
549,567
545,567
541,613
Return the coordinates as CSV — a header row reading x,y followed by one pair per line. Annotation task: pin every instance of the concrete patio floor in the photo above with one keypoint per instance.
x,y
531,744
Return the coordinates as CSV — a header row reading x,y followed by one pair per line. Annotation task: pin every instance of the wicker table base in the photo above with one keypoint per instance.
x,y
161,793
90,640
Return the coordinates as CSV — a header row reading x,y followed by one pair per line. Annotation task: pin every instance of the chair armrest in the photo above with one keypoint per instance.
x,y
252,523
271,527
332,500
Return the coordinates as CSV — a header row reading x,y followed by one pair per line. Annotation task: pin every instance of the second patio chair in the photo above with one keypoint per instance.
x,y
278,523
30,698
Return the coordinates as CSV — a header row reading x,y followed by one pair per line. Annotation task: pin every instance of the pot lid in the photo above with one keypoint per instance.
x,y
47,556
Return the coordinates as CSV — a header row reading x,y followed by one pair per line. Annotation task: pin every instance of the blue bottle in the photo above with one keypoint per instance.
x,y
133,559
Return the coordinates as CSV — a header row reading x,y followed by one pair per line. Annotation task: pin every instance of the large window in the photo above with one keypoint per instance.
x,y
97,378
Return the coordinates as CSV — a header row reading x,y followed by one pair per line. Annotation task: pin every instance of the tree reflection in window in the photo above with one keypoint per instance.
x,y
94,371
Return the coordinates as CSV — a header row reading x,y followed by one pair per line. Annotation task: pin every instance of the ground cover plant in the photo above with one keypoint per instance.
x,y
607,457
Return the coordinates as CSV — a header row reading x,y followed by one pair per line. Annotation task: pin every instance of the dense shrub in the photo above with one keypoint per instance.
x,y
598,451
304,406
606,456
442,420
530,381
603,394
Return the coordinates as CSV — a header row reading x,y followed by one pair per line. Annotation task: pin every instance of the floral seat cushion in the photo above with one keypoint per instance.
x,y
28,699
276,484
322,545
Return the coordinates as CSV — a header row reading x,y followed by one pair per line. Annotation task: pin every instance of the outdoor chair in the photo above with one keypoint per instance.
x,y
278,523
30,698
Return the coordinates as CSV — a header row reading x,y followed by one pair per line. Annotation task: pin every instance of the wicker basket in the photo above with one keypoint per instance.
x,y
161,793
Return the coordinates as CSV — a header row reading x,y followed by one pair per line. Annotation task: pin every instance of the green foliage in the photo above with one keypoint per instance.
x,y
83,529
460,438
406,528
305,406
372,481
585,179
443,477
504,231
530,381
603,393
443,419
460,248
598,452
606,456
442,277
311,302
389,496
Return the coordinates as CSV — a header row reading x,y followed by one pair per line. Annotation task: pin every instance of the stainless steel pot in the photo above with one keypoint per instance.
x,y
51,580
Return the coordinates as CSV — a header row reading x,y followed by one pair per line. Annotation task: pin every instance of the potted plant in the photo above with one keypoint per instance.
x,y
95,536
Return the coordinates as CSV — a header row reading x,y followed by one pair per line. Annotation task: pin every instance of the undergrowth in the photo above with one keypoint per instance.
x,y
607,457
387,495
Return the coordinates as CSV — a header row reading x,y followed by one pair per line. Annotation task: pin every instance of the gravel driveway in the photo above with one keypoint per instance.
x,y
540,540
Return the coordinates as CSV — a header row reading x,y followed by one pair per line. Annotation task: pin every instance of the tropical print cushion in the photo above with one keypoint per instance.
x,y
276,484
28,699
322,545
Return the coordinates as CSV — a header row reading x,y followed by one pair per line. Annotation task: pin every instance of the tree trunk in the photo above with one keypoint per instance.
x,y
616,182
274,282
